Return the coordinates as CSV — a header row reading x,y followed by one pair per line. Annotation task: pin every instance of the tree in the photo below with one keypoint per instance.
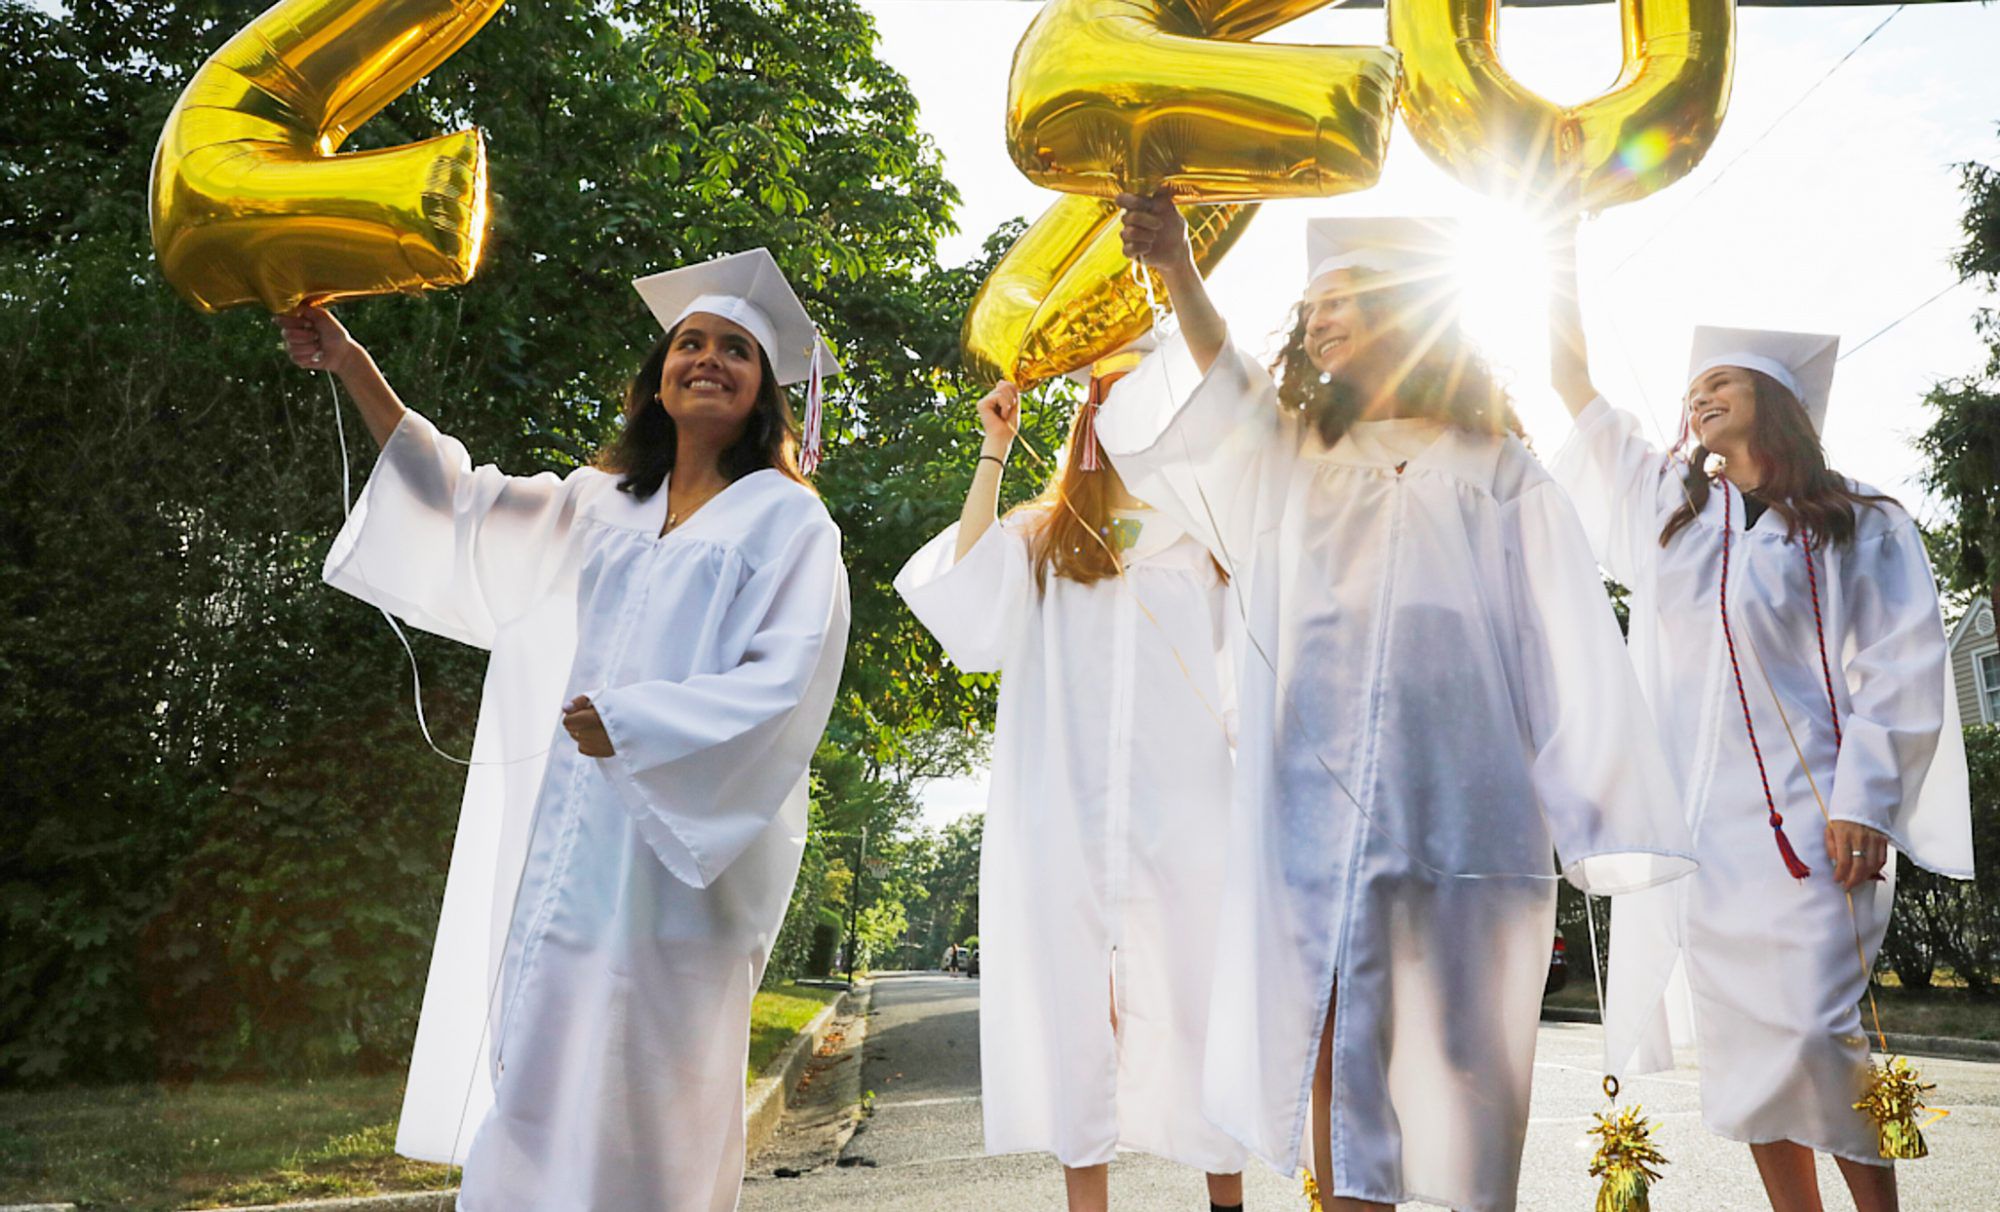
x,y
215,790
1962,446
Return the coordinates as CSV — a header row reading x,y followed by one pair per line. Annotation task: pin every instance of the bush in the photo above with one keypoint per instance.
x,y
1954,924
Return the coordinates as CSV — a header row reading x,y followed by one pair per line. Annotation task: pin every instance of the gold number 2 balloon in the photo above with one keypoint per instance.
x,y
1647,132
1111,95
1064,296
251,205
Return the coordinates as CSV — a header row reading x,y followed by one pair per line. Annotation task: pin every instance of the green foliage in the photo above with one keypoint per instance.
x,y
1961,448
227,841
1954,924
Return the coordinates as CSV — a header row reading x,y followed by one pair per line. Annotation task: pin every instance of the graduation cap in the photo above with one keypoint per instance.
x,y
1402,248
1095,378
748,289
1802,361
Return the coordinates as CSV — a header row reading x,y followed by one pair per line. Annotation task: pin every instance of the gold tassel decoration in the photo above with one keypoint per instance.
x,y
1625,1160
1312,1191
1895,1094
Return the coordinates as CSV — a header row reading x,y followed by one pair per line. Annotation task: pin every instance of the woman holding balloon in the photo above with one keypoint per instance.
x,y
1108,813
1786,631
667,630
1432,699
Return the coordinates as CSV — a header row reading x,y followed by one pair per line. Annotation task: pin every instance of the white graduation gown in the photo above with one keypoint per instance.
x,y
1102,858
1759,968
1434,700
650,883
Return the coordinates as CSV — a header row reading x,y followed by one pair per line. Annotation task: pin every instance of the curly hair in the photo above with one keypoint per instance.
x,y
1450,380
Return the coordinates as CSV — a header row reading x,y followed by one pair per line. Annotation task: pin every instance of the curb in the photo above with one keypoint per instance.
x,y
37,1208
764,1106
413,1201
1942,1046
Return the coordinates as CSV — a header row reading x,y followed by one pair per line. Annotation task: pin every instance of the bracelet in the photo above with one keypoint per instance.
x,y
995,458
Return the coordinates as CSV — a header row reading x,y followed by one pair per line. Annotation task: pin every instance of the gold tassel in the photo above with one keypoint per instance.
x,y
1312,1191
1895,1094
1624,1160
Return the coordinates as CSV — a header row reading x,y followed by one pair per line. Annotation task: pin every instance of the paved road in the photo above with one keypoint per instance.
x,y
920,1149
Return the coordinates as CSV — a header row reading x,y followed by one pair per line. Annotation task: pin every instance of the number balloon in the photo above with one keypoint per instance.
x,y
1064,295
1111,95
251,205
1647,132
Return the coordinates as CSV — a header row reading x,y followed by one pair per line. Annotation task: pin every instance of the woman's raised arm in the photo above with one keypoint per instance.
x,y
1155,232
317,341
1569,356
1000,417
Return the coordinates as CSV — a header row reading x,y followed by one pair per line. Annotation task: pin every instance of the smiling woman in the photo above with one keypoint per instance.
x,y
615,886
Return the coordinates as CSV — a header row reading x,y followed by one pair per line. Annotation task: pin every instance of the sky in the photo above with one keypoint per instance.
x,y
1839,218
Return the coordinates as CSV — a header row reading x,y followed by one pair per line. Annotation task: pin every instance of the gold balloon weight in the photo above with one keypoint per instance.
x,y
1894,1096
1626,1157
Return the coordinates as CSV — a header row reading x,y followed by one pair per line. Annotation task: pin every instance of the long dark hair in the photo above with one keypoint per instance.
x,y
1798,486
1450,382
643,452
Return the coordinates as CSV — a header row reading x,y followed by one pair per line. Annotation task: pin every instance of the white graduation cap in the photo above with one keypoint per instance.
x,y
1118,362
1802,361
749,289
1406,249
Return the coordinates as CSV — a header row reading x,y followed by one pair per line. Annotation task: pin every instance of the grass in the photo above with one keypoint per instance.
x,y
150,1147
779,1014
1950,1011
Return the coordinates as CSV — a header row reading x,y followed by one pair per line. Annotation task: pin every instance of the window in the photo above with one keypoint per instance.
x,y
1989,686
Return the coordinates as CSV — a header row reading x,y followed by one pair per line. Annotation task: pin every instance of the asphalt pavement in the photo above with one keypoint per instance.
x,y
918,1146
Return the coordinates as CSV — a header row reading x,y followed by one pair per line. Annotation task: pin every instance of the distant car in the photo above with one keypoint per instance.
x,y
1558,968
972,961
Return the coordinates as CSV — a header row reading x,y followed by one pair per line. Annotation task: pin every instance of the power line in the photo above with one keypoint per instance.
x,y
1755,143
1901,319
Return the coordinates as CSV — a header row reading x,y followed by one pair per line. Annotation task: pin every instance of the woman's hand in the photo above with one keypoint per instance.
x,y
1857,853
1153,231
317,341
1000,417
580,720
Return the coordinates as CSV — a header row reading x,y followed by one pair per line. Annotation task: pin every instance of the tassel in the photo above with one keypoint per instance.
x,y
810,453
1312,1191
1894,1096
1087,458
1625,1160
1793,863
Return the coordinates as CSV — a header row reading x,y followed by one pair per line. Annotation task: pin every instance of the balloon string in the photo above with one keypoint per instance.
x,y
1162,321
416,675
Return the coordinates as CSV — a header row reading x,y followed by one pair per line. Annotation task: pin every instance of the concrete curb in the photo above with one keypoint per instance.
x,y
764,1106
401,1201
37,1208
1942,1046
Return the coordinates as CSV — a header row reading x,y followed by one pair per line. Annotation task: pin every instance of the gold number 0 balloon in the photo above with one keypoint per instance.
x,y
1110,95
251,205
1654,125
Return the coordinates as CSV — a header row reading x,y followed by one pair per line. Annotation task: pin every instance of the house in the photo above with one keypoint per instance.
x,y
1975,664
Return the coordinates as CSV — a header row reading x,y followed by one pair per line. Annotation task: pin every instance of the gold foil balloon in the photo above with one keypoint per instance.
x,y
251,205
1064,295
1131,95
1654,125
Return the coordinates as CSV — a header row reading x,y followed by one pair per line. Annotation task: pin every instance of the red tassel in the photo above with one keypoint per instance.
x,y
1792,862
1087,458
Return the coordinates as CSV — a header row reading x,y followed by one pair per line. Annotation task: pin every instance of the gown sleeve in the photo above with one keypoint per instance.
x,y
705,763
975,606
1610,805
1622,486
453,549
1199,448
1902,766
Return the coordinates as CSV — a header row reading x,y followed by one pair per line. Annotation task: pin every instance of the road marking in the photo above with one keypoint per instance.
x,y
925,1102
